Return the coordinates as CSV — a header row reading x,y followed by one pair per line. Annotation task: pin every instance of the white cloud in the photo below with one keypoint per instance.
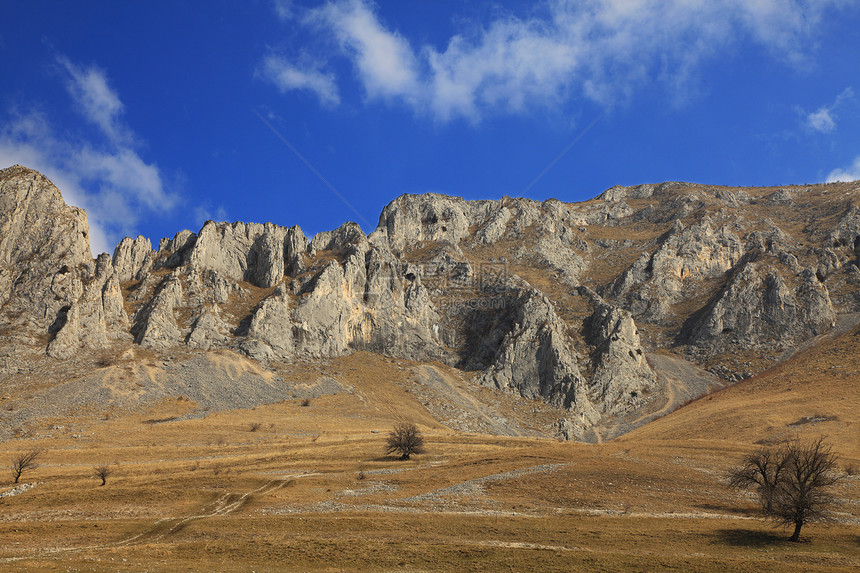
x,y
824,118
601,50
511,65
287,77
821,120
851,173
384,60
107,178
96,100
284,9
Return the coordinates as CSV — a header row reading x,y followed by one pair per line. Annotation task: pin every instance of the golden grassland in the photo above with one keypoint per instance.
x,y
305,486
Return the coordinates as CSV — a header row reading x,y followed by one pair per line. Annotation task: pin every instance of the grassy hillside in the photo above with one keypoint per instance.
x,y
815,393
304,485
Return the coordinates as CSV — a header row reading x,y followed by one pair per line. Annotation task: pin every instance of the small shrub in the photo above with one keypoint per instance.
x,y
852,469
254,426
406,440
306,402
23,462
102,472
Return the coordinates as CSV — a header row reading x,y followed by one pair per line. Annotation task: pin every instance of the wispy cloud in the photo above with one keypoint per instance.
x,y
105,176
824,118
383,59
284,9
821,120
602,51
307,76
850,173
96,100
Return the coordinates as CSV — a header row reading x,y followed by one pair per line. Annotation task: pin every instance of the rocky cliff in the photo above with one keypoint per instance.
x,y
553,301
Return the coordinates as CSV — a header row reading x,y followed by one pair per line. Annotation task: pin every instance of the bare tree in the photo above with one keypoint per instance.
x,y
406,440
23,462
792,481
102,472
802,495
760,471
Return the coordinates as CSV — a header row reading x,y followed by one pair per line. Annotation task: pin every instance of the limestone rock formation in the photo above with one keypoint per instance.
x,y
535,359
176,251
559,302
155,324
49,283
132,259
270,332
847,231
431,217
759,309
241,251
96,317
686,256
44,249
208,329
622,378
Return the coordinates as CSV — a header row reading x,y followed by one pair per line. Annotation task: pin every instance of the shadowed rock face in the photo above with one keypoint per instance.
x,y
557,302
758,307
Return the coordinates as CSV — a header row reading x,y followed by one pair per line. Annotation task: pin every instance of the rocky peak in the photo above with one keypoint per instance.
x,y
133,258
44,250
559,302
430,217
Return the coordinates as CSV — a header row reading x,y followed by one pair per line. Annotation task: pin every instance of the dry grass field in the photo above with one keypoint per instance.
x,y
304,485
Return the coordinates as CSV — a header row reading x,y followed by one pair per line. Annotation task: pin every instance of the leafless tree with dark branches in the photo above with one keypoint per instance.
x,y
406,440
792,481
24,461
760,471
102,472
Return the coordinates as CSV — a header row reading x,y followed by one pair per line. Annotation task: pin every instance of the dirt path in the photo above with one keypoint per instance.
x,y
679,382
672,388
226,504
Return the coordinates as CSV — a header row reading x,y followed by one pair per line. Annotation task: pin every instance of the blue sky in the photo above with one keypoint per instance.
x,y
155,116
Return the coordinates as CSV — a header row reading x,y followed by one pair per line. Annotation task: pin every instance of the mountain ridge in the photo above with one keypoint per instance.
x,y
560,302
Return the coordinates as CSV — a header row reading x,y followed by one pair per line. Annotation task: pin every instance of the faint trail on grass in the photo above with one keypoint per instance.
x,y
223,505
473,486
